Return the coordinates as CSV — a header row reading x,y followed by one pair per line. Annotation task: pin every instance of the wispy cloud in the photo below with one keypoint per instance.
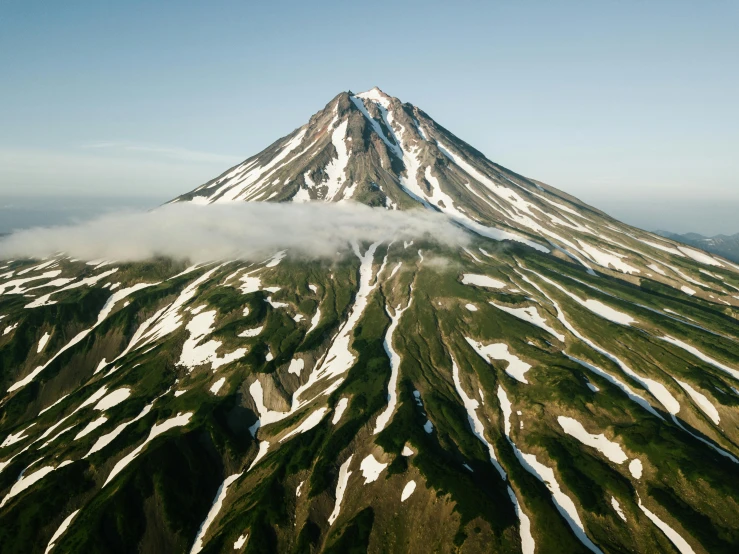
x,y
248,231
170,152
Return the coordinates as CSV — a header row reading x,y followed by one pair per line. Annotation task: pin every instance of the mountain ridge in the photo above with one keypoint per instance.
x,y
386,169
726,246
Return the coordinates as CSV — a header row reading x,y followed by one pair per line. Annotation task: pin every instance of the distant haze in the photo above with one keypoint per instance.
x,y
629,105
23,212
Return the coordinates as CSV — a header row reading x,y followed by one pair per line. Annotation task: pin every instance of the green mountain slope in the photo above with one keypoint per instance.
x,y
565,383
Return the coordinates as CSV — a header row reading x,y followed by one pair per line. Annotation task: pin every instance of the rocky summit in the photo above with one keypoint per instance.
x,y
561,383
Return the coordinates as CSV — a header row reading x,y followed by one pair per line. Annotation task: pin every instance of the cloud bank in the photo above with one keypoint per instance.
x,y
246,231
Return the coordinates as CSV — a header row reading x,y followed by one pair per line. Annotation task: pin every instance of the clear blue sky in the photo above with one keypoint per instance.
x,y
630,105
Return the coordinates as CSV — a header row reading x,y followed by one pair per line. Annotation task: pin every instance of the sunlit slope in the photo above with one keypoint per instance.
x,y
538,406
563,383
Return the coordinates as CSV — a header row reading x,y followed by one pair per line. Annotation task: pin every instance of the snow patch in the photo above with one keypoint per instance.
x,y
407,491
339,409
617,507
90,427
606,258
371,469
241,541
105,440
26,481
14,438
250,333
195,354
42,342
516,368
699,256
337,166
217,385
296,366
482,281
609,449
112,399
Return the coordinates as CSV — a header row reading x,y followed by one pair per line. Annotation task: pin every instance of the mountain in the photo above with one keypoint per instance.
x,y
562,383
723,245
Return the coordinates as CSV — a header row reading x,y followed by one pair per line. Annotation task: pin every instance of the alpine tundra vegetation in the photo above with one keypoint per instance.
x,y
535,377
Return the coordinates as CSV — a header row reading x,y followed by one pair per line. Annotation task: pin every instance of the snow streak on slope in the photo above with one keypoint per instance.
x,y
339,411
243,183
335,362
105,440
158,428
335,170
471,405
563,503
308,423
680,543
42,342
658,390
618,383
344,474
595,306
702,401
530,314
339,358
402,148
482,281
26,481
215,508
166,320
11,439
701,356
384,418
104,312
60,531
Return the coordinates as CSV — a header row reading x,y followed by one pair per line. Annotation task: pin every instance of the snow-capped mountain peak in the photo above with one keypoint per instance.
x,y
374,149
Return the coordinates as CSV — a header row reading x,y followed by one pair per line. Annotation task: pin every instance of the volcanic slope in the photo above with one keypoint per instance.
x,y
563,383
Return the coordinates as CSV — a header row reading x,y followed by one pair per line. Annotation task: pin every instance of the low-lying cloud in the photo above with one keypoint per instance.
x,y
246,231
